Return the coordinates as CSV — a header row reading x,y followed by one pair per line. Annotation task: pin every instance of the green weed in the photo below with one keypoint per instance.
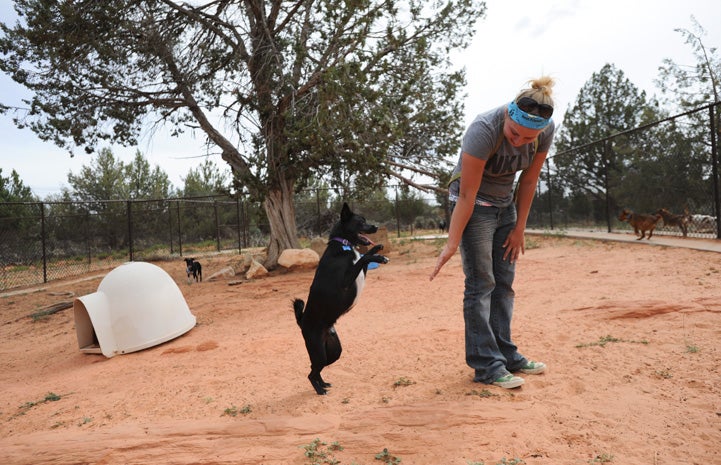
x,y
515,461
319,452
602,341
233,411
402,381
483,393
49,397
388,458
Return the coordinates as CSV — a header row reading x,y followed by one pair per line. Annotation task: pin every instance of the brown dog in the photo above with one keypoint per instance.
x,y
640,222
669,219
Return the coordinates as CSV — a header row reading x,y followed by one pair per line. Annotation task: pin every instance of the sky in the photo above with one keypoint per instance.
x,y
518,40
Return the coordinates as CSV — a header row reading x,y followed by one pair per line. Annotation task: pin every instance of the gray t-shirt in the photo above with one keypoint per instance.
x,y
480,139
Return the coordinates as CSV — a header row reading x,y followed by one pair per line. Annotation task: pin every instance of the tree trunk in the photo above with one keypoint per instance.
x,y
280,210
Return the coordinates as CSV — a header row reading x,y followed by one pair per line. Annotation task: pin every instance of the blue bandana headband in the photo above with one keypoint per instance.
x,y
527,120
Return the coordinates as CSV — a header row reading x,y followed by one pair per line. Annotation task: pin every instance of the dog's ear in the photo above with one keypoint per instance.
x,y
345,212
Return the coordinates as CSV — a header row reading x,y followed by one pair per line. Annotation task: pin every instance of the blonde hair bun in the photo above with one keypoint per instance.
x,y
541,90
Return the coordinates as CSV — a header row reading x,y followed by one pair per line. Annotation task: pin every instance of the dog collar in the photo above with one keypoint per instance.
x,y
345,242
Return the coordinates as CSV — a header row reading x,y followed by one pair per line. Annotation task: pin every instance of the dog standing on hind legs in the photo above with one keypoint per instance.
x,y
335,289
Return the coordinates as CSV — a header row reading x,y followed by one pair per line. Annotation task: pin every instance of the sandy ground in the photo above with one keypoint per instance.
x,y
631,335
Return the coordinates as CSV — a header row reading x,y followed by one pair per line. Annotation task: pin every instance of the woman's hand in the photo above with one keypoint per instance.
x,y
446,254
515,245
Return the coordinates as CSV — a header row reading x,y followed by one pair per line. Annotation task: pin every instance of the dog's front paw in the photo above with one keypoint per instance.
x,y
376,248
384,258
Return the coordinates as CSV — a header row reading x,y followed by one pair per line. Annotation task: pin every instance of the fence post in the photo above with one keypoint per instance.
x,y
714,166
605,156
244,213
130,229
317,212
217,225
237,215
180,234
550,193
42,240
88,238
398,217
170,224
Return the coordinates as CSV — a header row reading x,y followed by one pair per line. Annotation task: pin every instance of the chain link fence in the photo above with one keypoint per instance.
x,y
40,242
44,241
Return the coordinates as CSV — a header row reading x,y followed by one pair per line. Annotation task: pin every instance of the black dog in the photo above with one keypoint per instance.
x,y
336,287
193,269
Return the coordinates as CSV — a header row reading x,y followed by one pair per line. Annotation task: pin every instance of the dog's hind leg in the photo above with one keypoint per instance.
x,y
315,344
333,348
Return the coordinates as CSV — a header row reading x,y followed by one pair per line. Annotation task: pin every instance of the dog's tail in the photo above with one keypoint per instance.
x,y
298,306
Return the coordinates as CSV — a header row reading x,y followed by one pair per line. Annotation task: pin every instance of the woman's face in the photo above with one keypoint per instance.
x,y
519,135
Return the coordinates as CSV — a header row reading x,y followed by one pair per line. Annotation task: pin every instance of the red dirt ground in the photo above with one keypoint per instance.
x,y
630,334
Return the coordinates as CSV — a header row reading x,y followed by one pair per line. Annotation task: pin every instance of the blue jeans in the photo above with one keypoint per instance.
x,y
488,296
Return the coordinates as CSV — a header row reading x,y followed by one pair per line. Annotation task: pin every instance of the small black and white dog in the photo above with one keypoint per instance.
x,y
335,289
193,268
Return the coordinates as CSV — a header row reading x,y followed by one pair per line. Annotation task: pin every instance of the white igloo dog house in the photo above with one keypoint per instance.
x,y
137,305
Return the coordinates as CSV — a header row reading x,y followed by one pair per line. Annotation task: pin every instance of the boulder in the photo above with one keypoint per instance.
x,y
256,270
225,272
242,264
298,258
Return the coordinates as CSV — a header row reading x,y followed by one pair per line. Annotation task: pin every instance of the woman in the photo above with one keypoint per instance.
x,y
488,222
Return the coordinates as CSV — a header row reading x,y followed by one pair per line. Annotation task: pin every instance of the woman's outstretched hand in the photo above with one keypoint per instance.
x,y
445,255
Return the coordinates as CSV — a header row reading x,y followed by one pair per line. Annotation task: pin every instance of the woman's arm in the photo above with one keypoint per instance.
x,y
470,182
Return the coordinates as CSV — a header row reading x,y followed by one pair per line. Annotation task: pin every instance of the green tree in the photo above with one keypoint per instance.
x,y
16,217
661,168
287,90
105,185
206,179
12,189
607,104
413,210
142,182
108,178
103,179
